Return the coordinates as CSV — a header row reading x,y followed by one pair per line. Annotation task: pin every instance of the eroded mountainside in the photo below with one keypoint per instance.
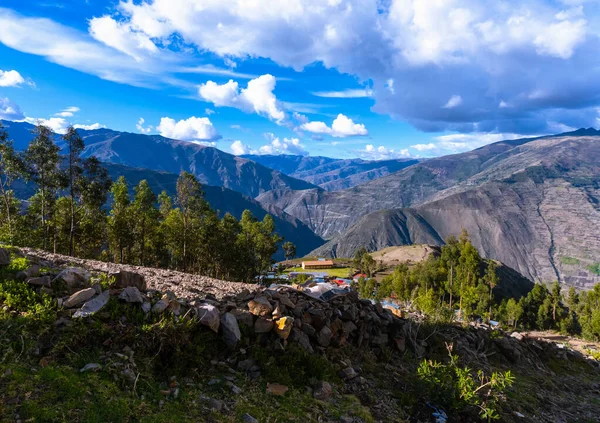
x,y
533,204
332,174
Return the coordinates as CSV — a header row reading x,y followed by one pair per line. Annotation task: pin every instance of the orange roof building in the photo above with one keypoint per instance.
x,y
317,264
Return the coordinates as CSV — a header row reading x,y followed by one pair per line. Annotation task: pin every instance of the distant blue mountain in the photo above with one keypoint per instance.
x,y
210,165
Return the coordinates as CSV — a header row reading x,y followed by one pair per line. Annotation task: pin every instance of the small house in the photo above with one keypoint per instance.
x,y
317,264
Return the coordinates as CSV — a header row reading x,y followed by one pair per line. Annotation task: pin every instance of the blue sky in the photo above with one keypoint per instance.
x,y
345,78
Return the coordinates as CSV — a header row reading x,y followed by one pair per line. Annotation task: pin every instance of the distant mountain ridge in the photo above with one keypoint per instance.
x,y
332,174
210,165
533,204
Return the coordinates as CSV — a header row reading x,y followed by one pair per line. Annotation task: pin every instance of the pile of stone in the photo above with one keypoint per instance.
x,y
283,314
278,316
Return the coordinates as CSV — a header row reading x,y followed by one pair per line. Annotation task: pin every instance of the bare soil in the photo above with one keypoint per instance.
x,y
184,285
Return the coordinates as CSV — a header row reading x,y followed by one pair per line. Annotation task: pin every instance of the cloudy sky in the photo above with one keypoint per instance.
x,y
345,78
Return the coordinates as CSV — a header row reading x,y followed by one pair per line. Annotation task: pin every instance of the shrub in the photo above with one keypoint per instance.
x,y
461,388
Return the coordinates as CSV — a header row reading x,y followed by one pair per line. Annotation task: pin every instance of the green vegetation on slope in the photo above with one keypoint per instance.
x,y
66,215
459,282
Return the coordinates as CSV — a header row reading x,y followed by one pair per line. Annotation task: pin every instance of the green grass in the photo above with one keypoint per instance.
x,y
338,272
569,260
594,268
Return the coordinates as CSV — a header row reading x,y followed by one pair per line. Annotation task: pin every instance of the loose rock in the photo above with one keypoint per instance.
x,y
124,279
208,315
40,281
263,325
230,329
131,294
73,277
323,391
90,367
94,305
4,257
79,297
260,306
284,327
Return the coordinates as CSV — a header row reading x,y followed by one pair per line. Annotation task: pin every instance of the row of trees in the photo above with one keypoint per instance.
x,y
68,214
460,281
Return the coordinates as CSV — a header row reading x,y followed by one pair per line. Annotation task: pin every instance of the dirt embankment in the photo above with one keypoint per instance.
x,y
183,285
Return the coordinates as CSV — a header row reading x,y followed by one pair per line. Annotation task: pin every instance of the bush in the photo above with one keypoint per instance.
x,y
461,388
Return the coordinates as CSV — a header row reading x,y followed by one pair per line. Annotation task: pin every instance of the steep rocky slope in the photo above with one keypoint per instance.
x,y
534,205
210,165
332,174
381,229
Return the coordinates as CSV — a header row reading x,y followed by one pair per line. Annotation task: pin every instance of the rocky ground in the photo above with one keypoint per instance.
x,y
101,342
184,285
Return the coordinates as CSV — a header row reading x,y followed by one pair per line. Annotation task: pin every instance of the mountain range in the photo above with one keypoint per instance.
x,y
532,203
332,174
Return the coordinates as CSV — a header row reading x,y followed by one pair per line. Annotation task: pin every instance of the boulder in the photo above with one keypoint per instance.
x,y
40,281
244,317
131,294
263,325
73,277
208,315
348,373
94,305
160,306
324,337
124,279
146,307
31,272
247,418
284,326
309,329
230,330
79,297
380,339
323,391
301,338
260,306
4,257
348,328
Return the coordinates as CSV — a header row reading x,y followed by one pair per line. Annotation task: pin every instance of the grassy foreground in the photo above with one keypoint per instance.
x,y
161,368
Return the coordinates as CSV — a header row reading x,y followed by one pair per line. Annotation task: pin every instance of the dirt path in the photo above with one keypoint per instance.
x,y
577,344
184,285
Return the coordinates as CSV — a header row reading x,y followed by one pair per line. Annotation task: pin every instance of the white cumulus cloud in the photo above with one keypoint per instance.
x,y
371,152
90,127
140,126
341,127
10,110
257,97
238,148
12,78
282,146
191,129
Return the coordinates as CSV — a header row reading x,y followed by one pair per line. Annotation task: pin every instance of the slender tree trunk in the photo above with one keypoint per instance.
x,y
461,298
72,231
490,312
451,275
8,216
